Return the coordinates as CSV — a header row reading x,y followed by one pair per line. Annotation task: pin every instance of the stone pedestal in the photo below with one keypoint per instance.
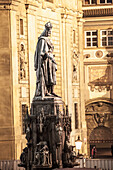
x,y
49,106
48,130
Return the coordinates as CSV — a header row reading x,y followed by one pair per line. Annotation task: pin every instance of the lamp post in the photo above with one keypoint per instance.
x,y
78,144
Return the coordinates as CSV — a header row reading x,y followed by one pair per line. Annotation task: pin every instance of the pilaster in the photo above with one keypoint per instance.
x,y
66,60
82,122
31,45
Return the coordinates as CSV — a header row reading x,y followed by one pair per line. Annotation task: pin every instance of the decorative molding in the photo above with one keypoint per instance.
x,y
75,67
22,63
5,6
100,78
101,118
86,56
109,55
99,54
5,2
98,12
99,107
50,5
99,99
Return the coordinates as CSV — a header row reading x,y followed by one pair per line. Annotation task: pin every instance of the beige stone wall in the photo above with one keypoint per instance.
x,y
6,117
67,37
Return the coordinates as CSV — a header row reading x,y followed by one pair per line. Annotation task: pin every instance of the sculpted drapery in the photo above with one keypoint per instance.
x,y
44,64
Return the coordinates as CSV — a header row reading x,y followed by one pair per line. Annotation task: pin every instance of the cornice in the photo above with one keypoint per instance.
x,y
98,12
5,2
5,6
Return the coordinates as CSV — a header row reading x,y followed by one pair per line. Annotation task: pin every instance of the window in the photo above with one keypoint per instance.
x,y
21,27
106,37
90,2
76,115
24,106
74,38
105,1
91,39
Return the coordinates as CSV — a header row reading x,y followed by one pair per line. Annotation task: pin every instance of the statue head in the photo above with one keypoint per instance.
x,y
48,28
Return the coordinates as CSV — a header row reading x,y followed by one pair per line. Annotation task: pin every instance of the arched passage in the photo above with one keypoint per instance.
x,y
99,118
102,138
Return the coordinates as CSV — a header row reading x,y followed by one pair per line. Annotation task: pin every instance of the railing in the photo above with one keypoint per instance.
x,y
10,165
102,164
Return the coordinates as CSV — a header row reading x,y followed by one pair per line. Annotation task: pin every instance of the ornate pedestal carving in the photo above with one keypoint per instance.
x,y
48,130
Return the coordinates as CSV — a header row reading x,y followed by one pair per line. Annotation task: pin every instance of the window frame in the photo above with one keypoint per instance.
x,y
91,36
74,36
106,2
107,36
90,2
23,126
76,116
21,35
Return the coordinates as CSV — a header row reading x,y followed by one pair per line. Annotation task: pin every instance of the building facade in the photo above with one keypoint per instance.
x,y
98,74
21,24
82,35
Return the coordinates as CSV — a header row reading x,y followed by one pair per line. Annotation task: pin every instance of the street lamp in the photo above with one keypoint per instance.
x,y
78,144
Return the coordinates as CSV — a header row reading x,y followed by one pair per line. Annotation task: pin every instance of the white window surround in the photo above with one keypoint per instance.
x,y
106,37
91,39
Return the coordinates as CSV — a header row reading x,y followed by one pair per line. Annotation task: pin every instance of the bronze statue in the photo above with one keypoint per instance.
x,y
44,63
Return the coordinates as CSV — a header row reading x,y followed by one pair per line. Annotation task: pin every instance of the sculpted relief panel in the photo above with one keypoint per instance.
x,y
75,67
100,78
22,62
98,118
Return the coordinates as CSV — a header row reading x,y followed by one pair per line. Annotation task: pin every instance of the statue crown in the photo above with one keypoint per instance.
x,y
48,25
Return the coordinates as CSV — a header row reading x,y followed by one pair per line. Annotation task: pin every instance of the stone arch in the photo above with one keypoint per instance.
x,y
100,99
101,134
99,118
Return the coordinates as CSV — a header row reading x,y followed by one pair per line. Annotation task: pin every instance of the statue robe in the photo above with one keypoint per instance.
x,y
45,68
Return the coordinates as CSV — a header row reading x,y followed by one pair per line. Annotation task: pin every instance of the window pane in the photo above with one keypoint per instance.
x,y
94,44
88,39
110,32
103,32
110,43
94,33
24,106
74,37
88,33
103,39
21,27
109,1
86,1
102,1
94,1
104,44
76,115
110,40
94,39
88,44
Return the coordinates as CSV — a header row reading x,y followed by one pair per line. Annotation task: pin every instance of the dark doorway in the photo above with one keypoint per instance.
x,y
101,137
